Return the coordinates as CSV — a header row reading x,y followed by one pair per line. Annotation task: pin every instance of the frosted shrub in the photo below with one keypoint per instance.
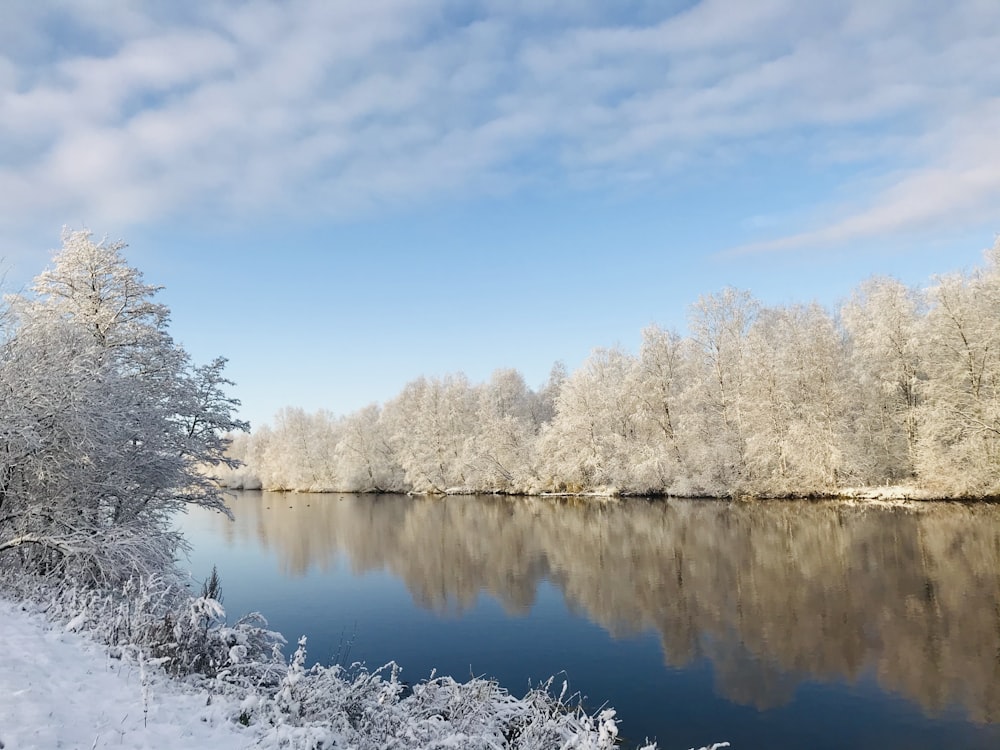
x,y
197,640
372,710
156,616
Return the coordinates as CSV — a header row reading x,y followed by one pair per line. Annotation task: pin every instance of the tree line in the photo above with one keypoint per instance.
x,y
900,386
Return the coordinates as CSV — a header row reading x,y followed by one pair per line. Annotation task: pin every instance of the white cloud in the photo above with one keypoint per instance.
x,y
958,183
315,106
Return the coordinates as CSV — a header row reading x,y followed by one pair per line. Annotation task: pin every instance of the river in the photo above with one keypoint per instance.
x,y
769,624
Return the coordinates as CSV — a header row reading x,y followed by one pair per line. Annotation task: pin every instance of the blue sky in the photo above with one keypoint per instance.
x,y
340,197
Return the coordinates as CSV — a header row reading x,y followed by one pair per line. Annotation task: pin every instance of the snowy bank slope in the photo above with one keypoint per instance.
x,y
61,690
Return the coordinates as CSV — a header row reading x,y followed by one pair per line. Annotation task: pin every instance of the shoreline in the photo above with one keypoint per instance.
x,y
894,495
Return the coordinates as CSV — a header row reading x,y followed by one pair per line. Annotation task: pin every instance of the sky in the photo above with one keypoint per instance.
x,y
342,196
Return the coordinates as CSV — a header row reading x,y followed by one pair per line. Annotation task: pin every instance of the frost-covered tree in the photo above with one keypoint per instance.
x,y
107,424
959,442
499,452
429,423
365,459
592,439
659,378
299,452
243,476
543,401
883,320
796,404
715,402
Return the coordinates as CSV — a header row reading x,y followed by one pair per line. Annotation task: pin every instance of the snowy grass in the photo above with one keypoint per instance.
x,y
63,689
178,651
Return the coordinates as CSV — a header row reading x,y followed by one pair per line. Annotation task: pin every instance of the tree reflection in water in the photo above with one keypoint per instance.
x,y
772,593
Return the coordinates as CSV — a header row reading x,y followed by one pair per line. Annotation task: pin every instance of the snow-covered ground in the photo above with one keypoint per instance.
x,y
59,689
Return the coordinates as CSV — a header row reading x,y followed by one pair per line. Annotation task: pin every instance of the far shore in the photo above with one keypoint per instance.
x,y
890,496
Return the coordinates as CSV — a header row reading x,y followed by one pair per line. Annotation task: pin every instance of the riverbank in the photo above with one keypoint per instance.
x,y
58,688
898,495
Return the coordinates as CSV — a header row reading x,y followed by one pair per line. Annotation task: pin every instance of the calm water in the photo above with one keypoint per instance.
x,y
776,625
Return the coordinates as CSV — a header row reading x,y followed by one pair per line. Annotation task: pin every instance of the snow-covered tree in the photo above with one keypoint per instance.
x,y
796,402
543,401
658,379
959,441
365,459
299,452
592,439
107,424
499,452
429,423
715,400
243,476
883,319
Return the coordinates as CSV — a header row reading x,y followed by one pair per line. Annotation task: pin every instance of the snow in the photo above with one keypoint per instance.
x,y
60,690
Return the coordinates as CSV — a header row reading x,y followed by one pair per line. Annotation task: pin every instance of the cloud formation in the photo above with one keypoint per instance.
x,y
317,107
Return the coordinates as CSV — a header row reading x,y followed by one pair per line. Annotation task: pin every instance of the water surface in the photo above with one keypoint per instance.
x,y
770,625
